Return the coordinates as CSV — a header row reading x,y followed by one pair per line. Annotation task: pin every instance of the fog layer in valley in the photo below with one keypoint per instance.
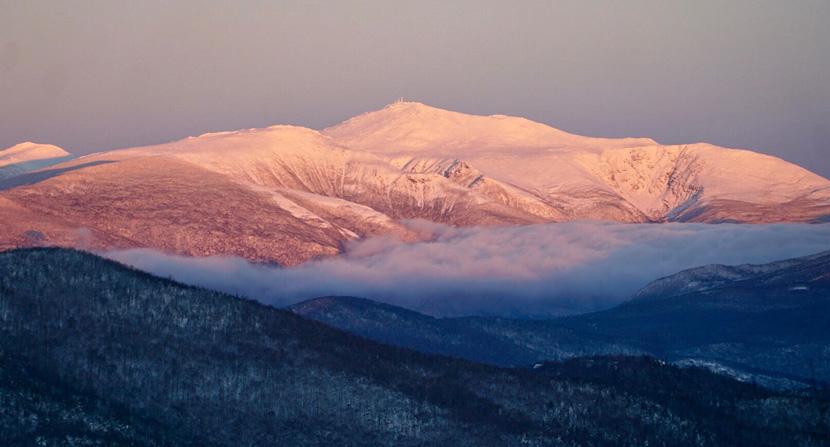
x,y
535,270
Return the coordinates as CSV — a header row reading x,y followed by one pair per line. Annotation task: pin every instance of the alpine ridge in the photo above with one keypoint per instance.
x,y
287,194
624,179
764,323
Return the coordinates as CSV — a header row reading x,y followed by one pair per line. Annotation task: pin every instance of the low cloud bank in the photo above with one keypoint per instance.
x,y
518,271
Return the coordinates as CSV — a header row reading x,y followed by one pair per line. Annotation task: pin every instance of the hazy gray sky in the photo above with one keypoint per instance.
x,y
93,75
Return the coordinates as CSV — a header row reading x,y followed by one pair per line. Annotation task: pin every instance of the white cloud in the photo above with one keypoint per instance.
x,y
531,270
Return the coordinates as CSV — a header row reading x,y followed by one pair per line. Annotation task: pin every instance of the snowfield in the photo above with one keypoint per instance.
x,y
288,194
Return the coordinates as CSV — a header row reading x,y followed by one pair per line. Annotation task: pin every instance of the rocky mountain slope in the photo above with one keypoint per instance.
x,y
112,355
288,194
628,179
763,322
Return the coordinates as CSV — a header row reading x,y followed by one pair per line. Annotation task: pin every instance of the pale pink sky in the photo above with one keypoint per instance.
x,y
94,75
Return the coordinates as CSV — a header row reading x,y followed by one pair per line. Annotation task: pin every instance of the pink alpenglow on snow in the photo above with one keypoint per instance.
x,y
289,194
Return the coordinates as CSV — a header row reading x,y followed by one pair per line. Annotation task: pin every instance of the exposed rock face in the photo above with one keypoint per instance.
x,y
288,194
577,177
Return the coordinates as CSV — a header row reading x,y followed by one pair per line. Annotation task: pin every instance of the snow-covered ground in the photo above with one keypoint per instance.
x,y
321,189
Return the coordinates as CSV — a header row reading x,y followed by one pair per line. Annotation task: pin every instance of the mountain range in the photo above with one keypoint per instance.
x,y
95,353
763,323
286,194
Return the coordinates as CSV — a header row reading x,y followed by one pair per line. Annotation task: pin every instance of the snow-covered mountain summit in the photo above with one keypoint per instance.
x,y
288,194
29,151
27,156
627,179
412,127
